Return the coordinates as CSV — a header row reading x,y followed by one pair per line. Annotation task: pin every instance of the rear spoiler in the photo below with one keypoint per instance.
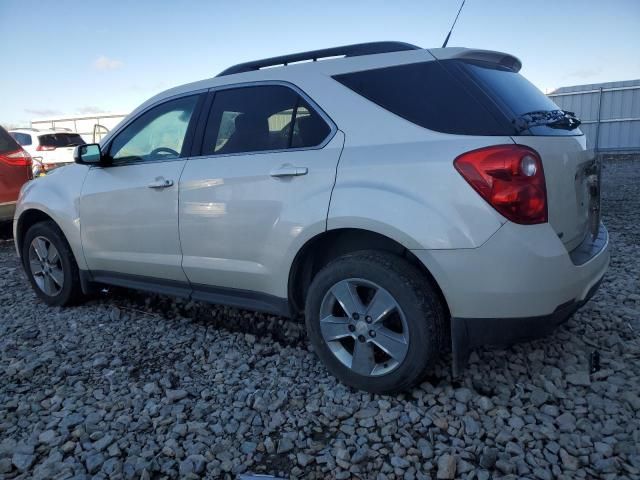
x,y
498,58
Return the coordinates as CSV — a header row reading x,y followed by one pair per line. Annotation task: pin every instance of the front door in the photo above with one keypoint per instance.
x,y
129,209
260,188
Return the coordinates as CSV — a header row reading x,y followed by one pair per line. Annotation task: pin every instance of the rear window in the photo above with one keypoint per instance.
x,y
23,139
7,143
513,94
517,93
427,95
61,140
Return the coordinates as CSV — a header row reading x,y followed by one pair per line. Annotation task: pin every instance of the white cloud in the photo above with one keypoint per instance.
x,y
105,63
42,112
586,72
90,109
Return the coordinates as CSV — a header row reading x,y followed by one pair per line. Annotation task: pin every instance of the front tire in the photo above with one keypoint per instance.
x,y
50,265
375,321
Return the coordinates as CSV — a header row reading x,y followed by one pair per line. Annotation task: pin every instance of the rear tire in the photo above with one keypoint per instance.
x,y
50,265
395,331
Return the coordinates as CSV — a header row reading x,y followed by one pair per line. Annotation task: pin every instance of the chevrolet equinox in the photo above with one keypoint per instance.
x,y
402,199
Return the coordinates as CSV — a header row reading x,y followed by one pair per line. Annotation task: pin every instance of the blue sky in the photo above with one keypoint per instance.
x,y
67,57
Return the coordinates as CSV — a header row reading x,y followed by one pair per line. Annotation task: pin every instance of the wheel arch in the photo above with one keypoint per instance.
x,y
328,245
26,220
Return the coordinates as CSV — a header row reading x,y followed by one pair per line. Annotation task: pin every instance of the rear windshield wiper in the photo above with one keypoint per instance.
x,y
550,118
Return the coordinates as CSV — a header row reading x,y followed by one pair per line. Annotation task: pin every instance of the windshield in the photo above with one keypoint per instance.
x,y
61,140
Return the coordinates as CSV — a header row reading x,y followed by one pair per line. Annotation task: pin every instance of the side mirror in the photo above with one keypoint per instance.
x,y
89,154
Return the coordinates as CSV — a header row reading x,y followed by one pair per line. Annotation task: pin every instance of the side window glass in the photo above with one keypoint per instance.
x,y
22,138
309,129
252,119
157,134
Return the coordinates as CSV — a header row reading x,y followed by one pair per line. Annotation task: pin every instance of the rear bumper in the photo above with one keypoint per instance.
x,y
518,286
470,333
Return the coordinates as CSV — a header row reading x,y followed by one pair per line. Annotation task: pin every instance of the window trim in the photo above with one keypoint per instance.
x,y
188,138
197,148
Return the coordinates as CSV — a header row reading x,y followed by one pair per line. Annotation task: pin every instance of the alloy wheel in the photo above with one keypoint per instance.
x,y
46,266
364,327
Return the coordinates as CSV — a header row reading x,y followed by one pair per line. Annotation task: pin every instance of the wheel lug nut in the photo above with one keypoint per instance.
x,y
361,338
372,333
367,319
352,328
355,316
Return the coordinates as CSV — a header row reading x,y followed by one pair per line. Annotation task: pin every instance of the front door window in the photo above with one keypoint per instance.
x,y
156,135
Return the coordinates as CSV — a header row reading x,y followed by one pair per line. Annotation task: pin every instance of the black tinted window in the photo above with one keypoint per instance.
x,y
253,119
427,95
309,128
61,140
7,143
513,93
520,95
23,139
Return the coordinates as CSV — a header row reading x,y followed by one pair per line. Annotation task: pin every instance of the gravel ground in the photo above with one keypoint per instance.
x,y
131,386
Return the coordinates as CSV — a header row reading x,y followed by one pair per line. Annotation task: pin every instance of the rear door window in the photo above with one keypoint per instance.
x,y
58,140
261,118
7,143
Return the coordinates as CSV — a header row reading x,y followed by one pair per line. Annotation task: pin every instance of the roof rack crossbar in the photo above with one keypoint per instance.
x,y
355,50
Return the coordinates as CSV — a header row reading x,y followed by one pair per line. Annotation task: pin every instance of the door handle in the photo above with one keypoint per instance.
x,y
289,171
160,183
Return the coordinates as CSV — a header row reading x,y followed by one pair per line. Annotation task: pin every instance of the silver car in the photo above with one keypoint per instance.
x,y
403,200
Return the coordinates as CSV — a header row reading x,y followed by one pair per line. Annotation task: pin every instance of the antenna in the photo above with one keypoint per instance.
x,y
446,40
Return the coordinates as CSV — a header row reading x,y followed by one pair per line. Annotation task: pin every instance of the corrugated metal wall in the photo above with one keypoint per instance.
x,y
610,113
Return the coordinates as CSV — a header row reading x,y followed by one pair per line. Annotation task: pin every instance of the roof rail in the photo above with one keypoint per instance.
x,y
355,50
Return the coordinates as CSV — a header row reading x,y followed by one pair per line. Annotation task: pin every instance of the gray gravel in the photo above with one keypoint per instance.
x,y
131,386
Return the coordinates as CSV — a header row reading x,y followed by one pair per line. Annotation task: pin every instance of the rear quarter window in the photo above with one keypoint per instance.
x,y
7,143
428,95
23,139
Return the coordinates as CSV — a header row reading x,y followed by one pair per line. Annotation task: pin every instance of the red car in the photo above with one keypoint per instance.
x,y
15,171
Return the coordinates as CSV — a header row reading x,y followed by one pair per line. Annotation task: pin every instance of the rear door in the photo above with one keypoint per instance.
x,y
261,185
129,210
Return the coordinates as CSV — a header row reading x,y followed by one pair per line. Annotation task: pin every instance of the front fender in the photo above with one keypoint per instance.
x,y
58,196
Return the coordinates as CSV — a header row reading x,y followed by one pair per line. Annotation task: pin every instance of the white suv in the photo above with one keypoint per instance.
x,y
402,199
49,149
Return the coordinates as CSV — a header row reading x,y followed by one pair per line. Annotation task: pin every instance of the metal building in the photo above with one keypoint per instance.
x,y
610,113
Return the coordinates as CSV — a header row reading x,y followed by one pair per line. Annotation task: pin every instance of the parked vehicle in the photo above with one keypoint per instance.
x,y
401,198
91,127
49,149
15,171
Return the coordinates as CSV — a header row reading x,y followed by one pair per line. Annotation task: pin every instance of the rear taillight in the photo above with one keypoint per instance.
x,y
19,158
510,178
44,148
